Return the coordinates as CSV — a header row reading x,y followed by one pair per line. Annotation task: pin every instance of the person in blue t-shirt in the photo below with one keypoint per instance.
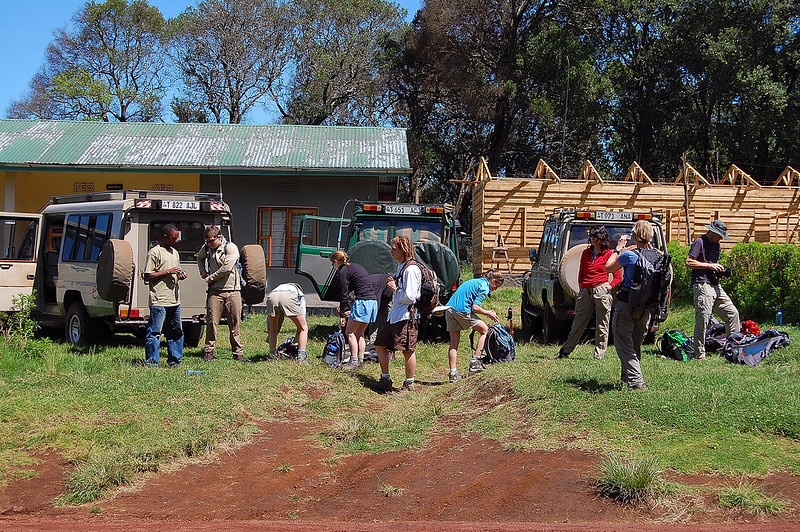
x,y
462,314
630,324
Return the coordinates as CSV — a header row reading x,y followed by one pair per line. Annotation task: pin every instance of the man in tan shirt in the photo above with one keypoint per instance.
x,y
217,261
162,271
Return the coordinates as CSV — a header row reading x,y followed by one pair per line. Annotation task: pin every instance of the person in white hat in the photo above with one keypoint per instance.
x,y
708,294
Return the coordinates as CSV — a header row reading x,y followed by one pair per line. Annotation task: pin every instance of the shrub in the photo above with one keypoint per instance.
x,y
627,480
681,280
18,326
765,279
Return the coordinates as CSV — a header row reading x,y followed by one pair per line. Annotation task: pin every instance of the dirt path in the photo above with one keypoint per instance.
x,y
282,480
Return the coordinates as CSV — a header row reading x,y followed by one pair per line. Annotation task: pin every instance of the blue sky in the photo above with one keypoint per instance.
x,y
26,28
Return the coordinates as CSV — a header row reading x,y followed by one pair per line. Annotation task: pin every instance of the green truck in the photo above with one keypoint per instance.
x,y
366,237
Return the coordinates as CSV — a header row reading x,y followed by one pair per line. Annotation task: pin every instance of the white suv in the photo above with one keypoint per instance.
x,y
57,253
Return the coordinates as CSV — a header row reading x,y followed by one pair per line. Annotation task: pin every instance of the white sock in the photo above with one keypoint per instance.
x,y
453,371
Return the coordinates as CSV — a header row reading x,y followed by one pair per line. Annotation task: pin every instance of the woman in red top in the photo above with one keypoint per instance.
x,y
595,294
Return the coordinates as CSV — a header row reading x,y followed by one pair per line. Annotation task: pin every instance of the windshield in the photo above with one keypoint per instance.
x,y
579,234
419,231
192,236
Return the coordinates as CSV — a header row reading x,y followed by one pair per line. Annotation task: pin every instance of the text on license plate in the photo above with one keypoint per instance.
x,y
615,216
402,209
181,205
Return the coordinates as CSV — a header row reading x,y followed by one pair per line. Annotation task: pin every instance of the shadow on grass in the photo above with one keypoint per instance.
x,y
592,385
321,332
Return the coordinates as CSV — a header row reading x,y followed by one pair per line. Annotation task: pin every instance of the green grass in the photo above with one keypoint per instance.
x,y
114,419
747,497
626,480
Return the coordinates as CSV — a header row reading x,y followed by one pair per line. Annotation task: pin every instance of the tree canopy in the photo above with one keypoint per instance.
x,y
614,81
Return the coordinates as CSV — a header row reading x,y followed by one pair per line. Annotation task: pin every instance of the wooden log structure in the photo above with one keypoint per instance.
x,y
516,208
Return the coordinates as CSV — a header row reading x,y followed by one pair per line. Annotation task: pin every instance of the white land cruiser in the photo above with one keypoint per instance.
x,y
57,253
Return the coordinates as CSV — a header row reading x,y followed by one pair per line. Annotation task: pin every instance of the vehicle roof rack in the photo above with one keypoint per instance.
x,y
111,195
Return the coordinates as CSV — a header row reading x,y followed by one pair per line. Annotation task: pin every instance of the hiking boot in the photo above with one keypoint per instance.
x,y
560,355
455,377
408,386
384,384
240,358
475,365
353,365
208,357
302,358
642,387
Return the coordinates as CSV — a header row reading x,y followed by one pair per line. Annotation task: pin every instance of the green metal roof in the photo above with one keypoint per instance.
x,y
199,147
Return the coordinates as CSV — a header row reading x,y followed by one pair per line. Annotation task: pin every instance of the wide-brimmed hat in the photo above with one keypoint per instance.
x,y
718,227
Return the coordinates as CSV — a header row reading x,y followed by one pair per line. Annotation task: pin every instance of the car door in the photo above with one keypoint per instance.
x,y
19,244
319,237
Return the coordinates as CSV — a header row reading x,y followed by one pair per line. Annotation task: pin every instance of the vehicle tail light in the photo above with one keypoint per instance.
x,y
434,210
643,216
583,214
371,207
129,313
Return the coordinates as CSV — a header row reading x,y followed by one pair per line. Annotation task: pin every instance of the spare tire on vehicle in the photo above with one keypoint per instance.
x,y
374,255
569,268
115,270
254,274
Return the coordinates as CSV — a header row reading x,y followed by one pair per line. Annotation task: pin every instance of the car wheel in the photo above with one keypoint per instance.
x,y
551,327
254,274
192,334
114,270
78,329
527,320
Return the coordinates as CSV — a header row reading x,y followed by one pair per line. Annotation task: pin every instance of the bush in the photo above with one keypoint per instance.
x,y
627,480
764,279
18,326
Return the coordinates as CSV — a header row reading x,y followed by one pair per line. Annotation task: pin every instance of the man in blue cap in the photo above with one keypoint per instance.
x,y
708,294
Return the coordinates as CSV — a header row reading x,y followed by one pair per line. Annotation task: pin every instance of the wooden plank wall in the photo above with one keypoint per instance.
x,y
516,208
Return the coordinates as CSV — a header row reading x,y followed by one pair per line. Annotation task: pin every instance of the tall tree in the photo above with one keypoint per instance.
x,y
109,66
230,53
337,51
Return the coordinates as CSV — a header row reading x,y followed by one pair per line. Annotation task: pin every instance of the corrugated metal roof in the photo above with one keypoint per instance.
x,y
232,147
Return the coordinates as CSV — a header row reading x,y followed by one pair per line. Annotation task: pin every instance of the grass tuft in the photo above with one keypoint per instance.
x,y
627,480
390,491
747,497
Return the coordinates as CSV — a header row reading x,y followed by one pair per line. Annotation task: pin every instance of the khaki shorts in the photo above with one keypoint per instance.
x,y
460,321
283,304
400,336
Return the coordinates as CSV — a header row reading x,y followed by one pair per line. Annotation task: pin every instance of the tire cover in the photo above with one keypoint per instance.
x,y
569,268
440,259
114,270
254,274
374,255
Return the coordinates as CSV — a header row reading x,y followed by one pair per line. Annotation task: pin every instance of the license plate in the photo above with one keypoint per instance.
x,y
615,216
402,209
180,205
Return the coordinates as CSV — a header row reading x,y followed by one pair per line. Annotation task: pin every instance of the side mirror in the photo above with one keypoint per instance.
x,y
532,254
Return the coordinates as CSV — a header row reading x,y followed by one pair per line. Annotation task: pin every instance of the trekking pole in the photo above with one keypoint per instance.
x,y
511,320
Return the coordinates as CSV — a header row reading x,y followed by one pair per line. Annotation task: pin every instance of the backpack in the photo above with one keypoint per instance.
x,y
333,353
287,349
499,345
429,290
677,345
750,349
651,281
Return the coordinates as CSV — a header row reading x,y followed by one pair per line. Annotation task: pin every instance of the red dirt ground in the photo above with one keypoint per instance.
x,y
282,480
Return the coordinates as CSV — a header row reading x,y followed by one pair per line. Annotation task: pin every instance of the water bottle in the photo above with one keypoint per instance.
x,y
194,372
779,317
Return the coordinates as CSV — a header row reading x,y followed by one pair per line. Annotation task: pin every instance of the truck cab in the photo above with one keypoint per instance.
x,y
58,252
550,287
366,237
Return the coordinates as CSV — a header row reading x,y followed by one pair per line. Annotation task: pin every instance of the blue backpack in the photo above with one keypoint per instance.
x,y
333,353
499,345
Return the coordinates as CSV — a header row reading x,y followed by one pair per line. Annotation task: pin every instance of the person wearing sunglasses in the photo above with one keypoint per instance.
x,y
218,263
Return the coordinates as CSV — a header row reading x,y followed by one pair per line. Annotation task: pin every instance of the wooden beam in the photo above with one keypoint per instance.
x,y
787,177
689,172
738,177
637,174
543,171
589,173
